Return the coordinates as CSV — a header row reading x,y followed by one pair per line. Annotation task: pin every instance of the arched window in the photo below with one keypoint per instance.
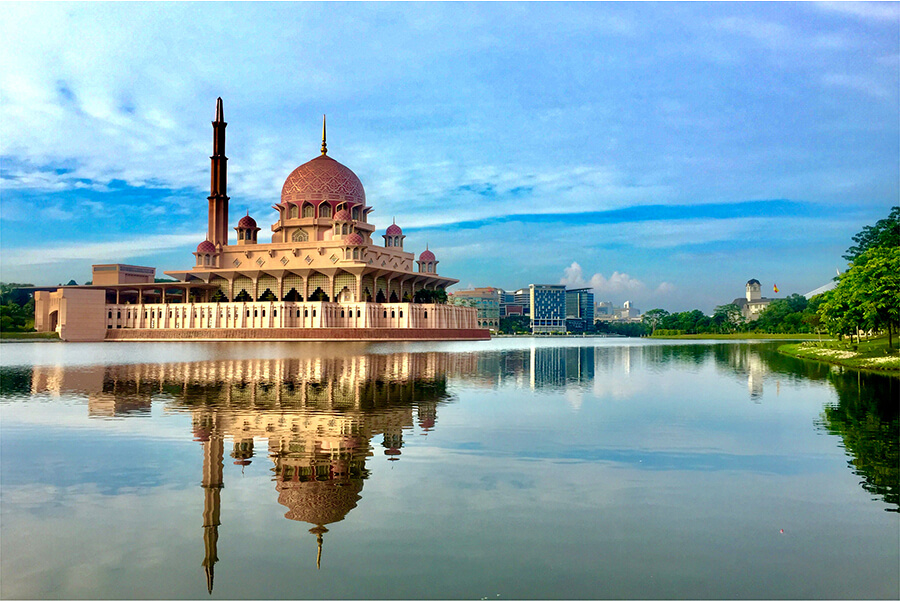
x,y
308,210
240,234
347,253
299,236
325,211
206,259
295,212
356,253
355,213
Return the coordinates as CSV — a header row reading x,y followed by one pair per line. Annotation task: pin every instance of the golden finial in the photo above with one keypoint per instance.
x,y
324,147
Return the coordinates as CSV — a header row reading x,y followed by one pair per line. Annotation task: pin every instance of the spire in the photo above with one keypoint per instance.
x,y
324,147
319,531
220,114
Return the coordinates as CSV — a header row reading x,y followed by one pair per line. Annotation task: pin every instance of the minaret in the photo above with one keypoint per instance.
x,y
217,232
324,146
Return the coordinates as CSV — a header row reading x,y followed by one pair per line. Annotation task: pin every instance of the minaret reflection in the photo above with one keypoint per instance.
x,y
212,483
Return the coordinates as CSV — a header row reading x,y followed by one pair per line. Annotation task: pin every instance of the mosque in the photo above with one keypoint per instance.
x,y
321,277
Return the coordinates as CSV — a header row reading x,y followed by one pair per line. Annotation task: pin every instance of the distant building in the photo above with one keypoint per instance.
x,y
511,303
754,303
547,308
580,304
628,311
603,308
486,301
821,289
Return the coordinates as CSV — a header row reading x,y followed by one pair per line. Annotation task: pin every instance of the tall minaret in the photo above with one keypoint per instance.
x,y
217,233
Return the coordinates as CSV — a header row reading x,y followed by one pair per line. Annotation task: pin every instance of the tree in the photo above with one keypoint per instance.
x,y
727,318
884,234
653,318
872,286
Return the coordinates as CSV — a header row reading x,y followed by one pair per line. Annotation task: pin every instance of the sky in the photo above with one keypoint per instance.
x,y
659,153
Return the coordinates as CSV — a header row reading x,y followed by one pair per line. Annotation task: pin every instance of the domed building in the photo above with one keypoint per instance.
x,y
321,276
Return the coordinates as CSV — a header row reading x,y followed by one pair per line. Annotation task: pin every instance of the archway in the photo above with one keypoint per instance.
x,y
319,295
379,298
268,296
54,320
394,298
293,296
243,297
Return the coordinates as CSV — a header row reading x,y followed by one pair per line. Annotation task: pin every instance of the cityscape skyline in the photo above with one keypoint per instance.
x,y
658,154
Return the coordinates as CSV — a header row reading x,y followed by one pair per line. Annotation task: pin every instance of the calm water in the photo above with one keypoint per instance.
x,y
588,468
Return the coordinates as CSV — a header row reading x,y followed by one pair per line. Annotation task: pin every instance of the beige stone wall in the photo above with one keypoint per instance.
x,y
76,313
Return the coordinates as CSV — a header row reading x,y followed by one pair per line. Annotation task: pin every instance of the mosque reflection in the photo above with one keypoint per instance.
x,y
318,416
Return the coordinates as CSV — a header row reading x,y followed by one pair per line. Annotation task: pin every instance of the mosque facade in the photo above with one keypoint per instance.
x,y
322,276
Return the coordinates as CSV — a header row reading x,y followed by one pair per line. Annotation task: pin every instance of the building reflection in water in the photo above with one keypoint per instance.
x,y
319,417
322,416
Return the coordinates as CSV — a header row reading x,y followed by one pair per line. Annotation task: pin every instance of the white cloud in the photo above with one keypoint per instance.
x,y
858,83
880,11
101,251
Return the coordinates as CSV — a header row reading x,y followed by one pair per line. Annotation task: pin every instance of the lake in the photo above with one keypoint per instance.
x,y
513,468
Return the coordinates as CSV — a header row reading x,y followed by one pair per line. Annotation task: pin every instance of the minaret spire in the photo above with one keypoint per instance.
x,y
217,231
324,147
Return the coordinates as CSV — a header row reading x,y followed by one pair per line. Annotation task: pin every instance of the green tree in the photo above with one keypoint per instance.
x,y
727,318
653,318
872,285
884,234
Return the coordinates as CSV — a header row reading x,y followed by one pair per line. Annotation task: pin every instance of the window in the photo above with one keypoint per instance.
x,y
342,312
255,313
392,314
298,313
110,315
401,313
299,236
248,312
295,212
357,312
264,313
325,211
240,234
385,313
274,312
305,312
426,314
308,210
314,312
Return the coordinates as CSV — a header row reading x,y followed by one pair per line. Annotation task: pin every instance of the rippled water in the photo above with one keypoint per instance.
x,y
559,468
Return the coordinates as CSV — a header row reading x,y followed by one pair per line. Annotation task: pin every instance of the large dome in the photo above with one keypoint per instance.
x,y
320,179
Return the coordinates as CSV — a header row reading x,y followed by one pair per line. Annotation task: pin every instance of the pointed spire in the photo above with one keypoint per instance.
x,y
324,147
220,114
319,531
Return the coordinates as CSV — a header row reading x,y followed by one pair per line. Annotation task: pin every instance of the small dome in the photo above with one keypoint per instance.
x,y
426,255
354,239
393,230
206,247
753,281
343,215
247,223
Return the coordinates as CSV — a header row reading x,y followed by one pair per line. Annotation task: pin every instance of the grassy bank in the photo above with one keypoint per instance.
x,y
29,336
870,354
742,336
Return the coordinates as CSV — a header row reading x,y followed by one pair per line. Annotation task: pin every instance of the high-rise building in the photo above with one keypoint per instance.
x,y
580,304
548,308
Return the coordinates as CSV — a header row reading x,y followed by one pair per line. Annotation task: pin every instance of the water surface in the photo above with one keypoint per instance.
x,y
558,468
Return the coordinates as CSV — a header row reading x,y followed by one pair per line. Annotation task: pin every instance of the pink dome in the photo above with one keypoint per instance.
x,y
320,179
206,247
247,223
393,230
343,215
426,255
354,239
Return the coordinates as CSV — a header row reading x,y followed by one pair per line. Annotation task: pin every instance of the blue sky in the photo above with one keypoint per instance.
x,y
661,153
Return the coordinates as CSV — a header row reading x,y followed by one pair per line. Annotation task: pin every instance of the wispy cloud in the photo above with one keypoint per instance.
x,y
101,251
